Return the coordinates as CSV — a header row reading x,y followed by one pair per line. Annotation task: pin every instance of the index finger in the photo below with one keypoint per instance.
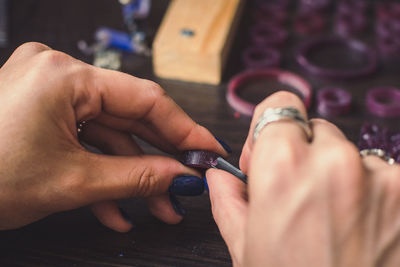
x,y
277,130
128,97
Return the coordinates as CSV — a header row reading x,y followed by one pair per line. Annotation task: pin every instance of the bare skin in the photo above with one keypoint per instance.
x,y
307,204
44,169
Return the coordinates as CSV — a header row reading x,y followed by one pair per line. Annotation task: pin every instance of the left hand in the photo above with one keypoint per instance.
x,y
43,167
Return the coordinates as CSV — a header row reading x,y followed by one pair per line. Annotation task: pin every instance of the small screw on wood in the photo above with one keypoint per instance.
x,y
187,32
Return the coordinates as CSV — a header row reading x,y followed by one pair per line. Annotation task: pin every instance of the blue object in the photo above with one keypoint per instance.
x,y
115,39
187,185
176,205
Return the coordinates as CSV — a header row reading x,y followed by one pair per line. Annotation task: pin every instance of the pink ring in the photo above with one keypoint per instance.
x,y
305,48
384,101
333,102
282,76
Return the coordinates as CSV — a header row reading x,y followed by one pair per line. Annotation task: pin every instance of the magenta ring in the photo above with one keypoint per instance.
x,y
346,24
333,102
282,76
268,36
384,101
305,48
258,57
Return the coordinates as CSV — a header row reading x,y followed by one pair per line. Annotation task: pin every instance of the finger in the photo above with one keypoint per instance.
x,y
110,215
109,141
229,206
132,98
138,129
272,134
116,143
325,133
26,51
166,208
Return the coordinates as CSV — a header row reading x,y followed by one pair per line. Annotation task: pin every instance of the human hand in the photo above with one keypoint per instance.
x,y
44,168
307,204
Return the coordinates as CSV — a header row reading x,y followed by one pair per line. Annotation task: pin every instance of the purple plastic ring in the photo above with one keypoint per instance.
x,y
305,48
333,102
388,10
384,101
308,6
267,36
388,48
285,77
309,23
258,57
351,7
347,25
202,159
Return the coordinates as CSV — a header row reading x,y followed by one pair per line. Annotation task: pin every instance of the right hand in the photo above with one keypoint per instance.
x,y
307,204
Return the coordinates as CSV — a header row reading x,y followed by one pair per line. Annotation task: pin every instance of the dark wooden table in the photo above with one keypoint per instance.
x,y
75,238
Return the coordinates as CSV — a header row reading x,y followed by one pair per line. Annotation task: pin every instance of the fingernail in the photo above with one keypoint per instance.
x,y
126,216
187,185
177,205
205,184
224,145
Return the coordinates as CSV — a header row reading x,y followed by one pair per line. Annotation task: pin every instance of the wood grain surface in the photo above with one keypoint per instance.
x,y
75,238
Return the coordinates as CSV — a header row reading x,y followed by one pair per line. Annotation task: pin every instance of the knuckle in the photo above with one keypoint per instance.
x,y
155,90
285,97
343,155
32,47
144,181
53,58
287,153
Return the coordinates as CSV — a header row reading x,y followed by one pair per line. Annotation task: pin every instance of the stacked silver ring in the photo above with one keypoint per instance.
x,y
280,114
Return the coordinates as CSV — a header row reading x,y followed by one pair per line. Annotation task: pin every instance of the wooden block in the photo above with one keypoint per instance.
x,y
201,57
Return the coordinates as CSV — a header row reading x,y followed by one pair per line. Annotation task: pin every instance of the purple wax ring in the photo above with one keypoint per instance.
x,y
307,47
267,36
387,28
284,77
384,101
388,10
351,7
347,25
257,57
308,6
333,102
309,23
388,48
202,159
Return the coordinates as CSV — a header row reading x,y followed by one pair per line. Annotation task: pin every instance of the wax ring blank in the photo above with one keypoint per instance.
x,y
284,77
347,25
267,36
333,102
202,159
384,101
309,23
305,48
257,57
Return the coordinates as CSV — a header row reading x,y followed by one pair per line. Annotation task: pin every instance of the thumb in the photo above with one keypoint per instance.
x,y
114,177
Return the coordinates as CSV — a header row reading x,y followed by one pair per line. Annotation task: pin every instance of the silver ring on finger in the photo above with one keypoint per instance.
x,y
282,114
380,153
